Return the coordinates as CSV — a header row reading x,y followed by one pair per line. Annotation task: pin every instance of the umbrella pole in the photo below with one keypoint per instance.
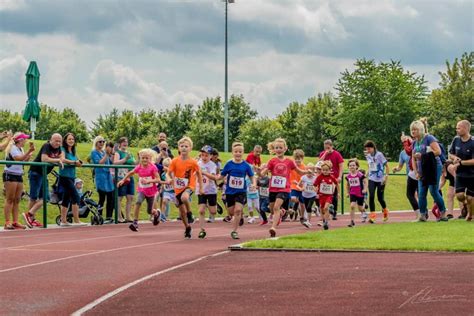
x,y
33,127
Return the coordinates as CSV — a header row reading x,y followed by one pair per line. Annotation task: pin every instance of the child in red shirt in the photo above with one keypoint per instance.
x,y
325,184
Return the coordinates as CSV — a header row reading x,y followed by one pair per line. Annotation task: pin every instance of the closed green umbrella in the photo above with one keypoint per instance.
x,y
32,109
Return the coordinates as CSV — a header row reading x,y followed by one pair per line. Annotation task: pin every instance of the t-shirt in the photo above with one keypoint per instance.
x,y
307,183
295,177
14,169
251,194
465,151
166,187
405,159
280,169
131,161
376,164
69,171
423,147
103,177
146,173
263,184
356,183
326,184
210,186
184,174
51,152
336,158
236,174
252,159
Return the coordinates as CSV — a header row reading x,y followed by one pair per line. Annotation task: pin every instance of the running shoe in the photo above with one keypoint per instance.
x,y
36,223
66,224
227,219
422,218
352,224
305,223
372,217
156,217
364,217
28,219
190,217
450,216
8,226
234,235
202,234
385,214
18,226
109,220
133,226
79,224
187,232
325,225
272,232
211,219
332,211
251,220
435,211
263,223
320,223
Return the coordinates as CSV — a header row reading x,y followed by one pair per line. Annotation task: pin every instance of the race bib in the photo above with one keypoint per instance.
x,y
253,191
354,182
168,187
180,183
325,188
372,166
236,182
309,188
205,180
278,182
264,192
143,185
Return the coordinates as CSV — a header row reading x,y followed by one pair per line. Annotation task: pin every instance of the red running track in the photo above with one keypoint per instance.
x,y
62,270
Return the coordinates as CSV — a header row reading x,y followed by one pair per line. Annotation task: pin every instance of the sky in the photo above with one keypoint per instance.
x,y
97,55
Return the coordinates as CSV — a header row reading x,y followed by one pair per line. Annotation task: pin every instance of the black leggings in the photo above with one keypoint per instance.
x,y
110,202
412,189
70,195
380,192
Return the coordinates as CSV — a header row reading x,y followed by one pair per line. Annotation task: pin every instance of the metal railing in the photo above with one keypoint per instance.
x,y
44,172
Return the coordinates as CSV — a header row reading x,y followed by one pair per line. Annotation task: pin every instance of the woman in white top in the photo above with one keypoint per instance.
x,y
13,178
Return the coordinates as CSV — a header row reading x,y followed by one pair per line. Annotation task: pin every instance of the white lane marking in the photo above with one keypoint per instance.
x,y
125,287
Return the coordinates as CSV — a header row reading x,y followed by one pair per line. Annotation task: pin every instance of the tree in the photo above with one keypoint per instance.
x,y
454,100
105,125
207,127
12,122
288,119
377,102
260,131
240,113
178,121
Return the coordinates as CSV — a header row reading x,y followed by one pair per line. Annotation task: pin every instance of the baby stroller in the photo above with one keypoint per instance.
x,y
86,204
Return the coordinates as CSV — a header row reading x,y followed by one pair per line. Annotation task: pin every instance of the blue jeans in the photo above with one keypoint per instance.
x,y
434,191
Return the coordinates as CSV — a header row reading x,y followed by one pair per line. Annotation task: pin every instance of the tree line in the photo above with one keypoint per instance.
x,y
374,101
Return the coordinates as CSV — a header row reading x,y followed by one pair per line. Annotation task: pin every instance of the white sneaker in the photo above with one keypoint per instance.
x,y
364,217
79,224
320,223
67,224
251,220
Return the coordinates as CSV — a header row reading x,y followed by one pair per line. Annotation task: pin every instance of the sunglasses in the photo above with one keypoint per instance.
x,y
101,141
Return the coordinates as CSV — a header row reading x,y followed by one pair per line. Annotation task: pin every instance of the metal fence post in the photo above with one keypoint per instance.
x,y
45,195
116,199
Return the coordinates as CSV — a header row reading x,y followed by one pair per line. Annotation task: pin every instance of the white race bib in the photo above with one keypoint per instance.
x,y
278,182
264,192
372,166
309,188
143,185
168,187
253,191
354,182
180,183
325,188
236,182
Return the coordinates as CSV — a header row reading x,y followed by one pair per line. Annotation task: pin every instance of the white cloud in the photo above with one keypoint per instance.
x,y
12,74
11,5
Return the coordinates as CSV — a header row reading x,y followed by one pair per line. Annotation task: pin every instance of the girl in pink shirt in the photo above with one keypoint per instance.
x,y
148,177
356,187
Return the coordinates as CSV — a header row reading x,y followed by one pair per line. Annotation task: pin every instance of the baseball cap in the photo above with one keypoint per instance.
x,y
19,136
206,149
77,181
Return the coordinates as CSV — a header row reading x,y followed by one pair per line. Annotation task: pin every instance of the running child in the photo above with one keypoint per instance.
x,y
235,171
325,184
148,177
209,198
280,168
167,192
182,173
253,200
296,202
263,185
306,185
356,187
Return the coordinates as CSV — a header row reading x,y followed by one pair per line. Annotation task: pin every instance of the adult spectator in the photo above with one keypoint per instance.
x,y
67,175
253,157
13,178
164,152
124,157
412,181
329,153
162,138
428,167
50,152
103,154
462,154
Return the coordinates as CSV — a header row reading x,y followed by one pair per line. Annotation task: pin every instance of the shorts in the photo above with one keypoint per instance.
x,y
449,177
253,204
464,184
279,195
325,199
36,186
308,203
358,199
8,177
240,198
128,189
149,201
298,194
208,199
179,202
167,195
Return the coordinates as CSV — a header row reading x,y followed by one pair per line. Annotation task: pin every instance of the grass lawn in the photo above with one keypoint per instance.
x,y
394,193
455,235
